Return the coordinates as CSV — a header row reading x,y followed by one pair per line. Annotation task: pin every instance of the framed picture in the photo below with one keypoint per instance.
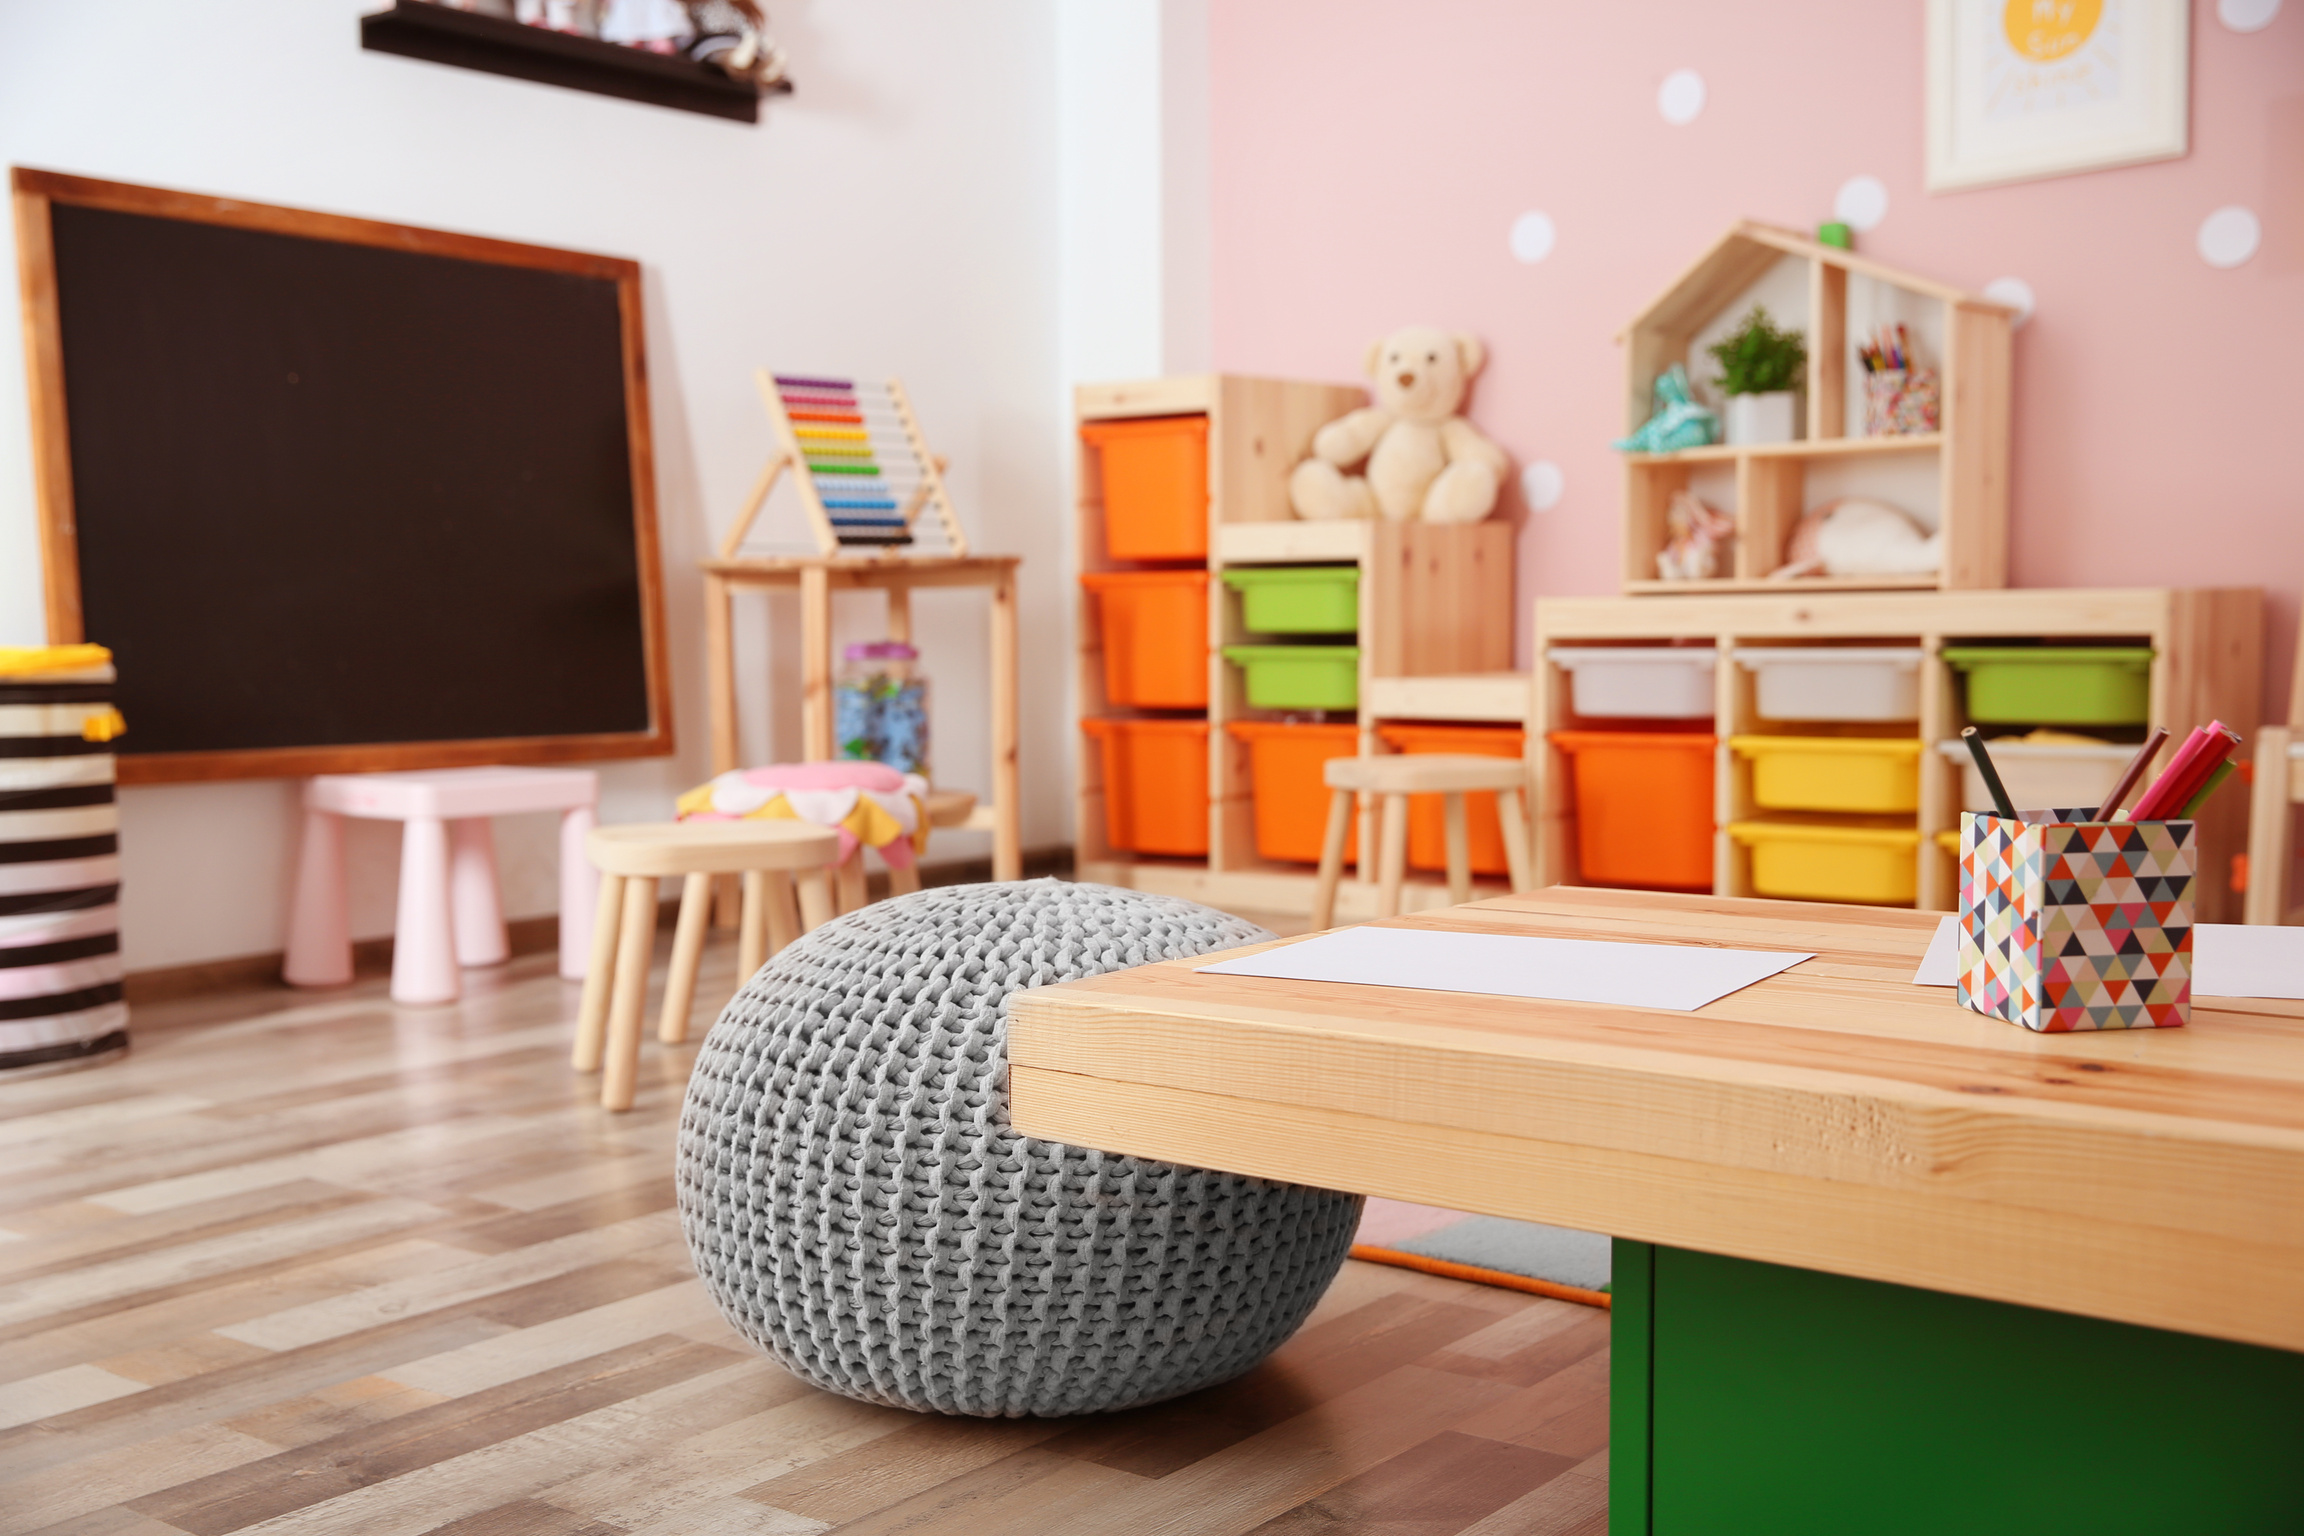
x,y
2019,89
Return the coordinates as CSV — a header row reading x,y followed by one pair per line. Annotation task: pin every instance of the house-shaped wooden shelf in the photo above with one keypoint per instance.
x,y
1955,479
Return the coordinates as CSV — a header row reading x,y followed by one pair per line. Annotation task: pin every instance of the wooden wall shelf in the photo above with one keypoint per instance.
x,y
1955,479
417,29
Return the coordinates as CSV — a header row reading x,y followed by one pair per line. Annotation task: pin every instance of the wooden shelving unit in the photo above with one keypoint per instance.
x,y
1435,606
2207,663
1955,479
439,34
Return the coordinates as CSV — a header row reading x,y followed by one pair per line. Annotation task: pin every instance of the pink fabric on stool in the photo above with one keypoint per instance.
x,y
865,802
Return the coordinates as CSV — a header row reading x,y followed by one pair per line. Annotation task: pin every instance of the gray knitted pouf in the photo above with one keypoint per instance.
x,y
859,1206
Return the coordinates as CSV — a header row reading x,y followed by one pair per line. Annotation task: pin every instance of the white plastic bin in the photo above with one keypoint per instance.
x,y
1835,683
1642,682
2041,776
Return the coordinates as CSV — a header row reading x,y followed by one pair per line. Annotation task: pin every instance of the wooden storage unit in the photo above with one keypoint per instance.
x,y
1434,601
1958,475
2207,663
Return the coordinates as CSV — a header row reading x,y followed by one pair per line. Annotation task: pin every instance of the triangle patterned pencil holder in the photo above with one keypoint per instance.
x,y
2071,923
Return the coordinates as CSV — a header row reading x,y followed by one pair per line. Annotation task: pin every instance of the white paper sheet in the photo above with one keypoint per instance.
x,y
2228,960
1676,976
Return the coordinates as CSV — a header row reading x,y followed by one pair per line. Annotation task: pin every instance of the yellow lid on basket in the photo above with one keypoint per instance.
x,y
28,660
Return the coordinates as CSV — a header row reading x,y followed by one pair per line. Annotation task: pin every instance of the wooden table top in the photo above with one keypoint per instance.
x,y
1834,1117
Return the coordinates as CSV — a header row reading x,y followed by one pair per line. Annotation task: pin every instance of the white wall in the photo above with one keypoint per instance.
x,y
899,215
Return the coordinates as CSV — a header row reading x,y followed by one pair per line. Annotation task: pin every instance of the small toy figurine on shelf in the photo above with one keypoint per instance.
x,y
1699,535
571,16
732,37
1676,420
1857,536
659,26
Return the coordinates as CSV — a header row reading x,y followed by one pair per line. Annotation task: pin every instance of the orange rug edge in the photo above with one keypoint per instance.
x,y
1479,1276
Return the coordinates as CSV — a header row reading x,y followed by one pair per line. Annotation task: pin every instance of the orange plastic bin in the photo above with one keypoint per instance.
x,y
1154,626
1155,784
1290,796
1427,814
1155,479
1643,807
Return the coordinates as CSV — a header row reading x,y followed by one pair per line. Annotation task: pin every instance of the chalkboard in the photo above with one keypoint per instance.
x,y
341,495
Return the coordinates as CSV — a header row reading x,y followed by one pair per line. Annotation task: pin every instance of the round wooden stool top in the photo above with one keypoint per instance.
x,y
950,807
1424,773
658,849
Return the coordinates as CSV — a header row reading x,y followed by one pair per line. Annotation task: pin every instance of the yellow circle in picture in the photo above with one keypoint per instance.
x,y
2046,30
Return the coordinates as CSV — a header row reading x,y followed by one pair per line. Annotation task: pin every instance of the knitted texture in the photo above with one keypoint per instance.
x,y
860,1207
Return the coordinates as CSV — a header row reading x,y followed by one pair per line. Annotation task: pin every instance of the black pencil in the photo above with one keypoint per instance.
x,y
1991,774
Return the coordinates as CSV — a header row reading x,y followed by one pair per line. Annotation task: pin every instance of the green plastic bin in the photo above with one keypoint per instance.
x,y
2056,685
1298,599
1299,676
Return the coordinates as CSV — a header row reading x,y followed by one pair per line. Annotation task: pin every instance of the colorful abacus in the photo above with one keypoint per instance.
x,y
866,473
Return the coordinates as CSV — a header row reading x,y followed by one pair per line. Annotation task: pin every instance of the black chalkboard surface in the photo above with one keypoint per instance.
x,y
340,503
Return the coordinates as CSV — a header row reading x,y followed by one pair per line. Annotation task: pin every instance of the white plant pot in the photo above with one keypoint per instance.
x,y
1756,419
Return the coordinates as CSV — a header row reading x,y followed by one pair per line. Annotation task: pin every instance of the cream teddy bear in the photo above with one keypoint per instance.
x,y
1423,460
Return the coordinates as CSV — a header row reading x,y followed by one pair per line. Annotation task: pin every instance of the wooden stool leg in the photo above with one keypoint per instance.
x,y
319,925
1392,866
1459,849
752,927
423,938
635,944
783,912
815,899
852,894
1510,810
599,975
1332,859
687,950
903,882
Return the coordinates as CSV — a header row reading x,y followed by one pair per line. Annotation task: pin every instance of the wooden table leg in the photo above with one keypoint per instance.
x,y
815,664
635,947
687,952
720,669
1007,831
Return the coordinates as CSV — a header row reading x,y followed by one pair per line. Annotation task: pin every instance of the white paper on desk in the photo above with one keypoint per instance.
x,y
1677,976
2228,960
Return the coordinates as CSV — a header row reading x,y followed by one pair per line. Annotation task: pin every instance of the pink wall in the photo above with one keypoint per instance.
x,y
1370,159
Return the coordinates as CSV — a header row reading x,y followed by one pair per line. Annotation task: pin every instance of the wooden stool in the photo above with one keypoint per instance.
x,y
631,860
450,914
1398,776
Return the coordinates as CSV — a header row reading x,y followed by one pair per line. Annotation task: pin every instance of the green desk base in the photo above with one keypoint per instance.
x,y
1751,1397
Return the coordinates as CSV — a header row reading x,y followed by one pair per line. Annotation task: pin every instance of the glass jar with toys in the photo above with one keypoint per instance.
x,y
880,706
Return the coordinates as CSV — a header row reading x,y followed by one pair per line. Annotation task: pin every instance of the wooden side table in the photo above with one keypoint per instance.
x,y
816,578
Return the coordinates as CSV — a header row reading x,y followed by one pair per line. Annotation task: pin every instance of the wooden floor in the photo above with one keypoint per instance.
x,y
307,1262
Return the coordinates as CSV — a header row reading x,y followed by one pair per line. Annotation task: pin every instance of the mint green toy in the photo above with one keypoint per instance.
x,y
1678,422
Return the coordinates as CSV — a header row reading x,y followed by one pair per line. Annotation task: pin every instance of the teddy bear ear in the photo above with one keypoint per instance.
x,y
1374,357
1473,355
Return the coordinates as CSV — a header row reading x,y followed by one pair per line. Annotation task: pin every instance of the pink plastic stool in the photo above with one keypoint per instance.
x,y
450,910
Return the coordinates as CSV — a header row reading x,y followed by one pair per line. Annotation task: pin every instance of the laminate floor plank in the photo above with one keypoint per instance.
x,y
321,1266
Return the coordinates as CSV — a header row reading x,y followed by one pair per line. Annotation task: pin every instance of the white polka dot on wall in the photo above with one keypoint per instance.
x,y
1861,202
1542,484
1681,97
2247,15
2013,292
1532,236
2229,236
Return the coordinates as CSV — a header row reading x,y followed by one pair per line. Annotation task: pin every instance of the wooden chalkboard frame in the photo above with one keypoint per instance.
x,y
34,193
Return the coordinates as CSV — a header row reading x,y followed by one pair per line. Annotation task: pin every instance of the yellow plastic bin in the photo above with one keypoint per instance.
x,y
1806,861
1832,773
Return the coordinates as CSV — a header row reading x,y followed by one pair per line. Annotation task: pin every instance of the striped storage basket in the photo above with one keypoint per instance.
x,y
60,997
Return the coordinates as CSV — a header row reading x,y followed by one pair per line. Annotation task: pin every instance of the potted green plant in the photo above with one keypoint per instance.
x,y
1760,369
